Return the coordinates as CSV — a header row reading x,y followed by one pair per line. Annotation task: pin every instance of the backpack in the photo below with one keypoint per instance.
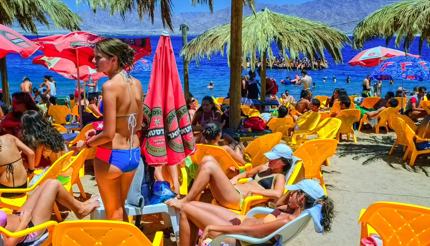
x,y
255,123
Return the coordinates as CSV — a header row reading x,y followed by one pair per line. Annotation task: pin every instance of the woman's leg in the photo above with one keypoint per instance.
x,y
222,189
109,183
173,171
52,191
126,179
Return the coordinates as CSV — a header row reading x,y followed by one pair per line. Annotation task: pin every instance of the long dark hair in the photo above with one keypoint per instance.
x,y
211,101
38,131
327,209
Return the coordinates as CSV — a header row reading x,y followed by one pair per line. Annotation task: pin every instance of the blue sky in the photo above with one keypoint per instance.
x,y
186,6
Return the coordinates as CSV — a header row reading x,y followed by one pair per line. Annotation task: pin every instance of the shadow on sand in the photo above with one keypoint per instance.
x,y
376,148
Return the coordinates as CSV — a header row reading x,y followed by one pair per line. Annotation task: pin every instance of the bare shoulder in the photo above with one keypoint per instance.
x,y
108,86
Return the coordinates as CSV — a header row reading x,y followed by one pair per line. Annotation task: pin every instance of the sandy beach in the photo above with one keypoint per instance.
x,y
357,176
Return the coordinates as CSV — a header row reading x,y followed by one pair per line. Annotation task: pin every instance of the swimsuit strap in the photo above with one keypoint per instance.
x,y
132,121
9,170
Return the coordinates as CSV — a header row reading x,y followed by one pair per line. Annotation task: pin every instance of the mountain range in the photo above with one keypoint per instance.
x,y
341,14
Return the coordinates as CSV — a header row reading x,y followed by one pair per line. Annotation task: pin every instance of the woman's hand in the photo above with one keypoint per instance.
x,y
90,133
205,234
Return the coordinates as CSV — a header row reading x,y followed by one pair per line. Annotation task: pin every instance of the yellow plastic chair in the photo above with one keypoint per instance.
x,y
335,109
411,151
48,225
370,102
397,223
323,101
261,145
101,232
348,118
383,118
73,170
308,121
326,129
53,172
81,136
314,154
402,102
275,123
221,155
59,113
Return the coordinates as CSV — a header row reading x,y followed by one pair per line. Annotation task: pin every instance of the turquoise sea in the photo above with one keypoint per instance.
x,y
217,70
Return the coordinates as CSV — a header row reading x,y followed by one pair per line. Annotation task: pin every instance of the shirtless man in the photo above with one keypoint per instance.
x,y
47,85
26,85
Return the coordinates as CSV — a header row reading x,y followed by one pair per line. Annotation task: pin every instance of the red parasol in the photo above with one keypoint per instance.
x,y
373,56
75,46
170,138
11,41
67,68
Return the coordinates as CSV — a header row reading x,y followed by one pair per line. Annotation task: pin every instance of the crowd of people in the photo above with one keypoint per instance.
x,y
28,140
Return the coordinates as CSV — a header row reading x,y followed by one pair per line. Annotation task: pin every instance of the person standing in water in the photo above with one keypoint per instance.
x,y
26,85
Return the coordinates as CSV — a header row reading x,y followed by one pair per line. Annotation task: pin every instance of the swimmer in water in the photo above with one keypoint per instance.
x,y
211,85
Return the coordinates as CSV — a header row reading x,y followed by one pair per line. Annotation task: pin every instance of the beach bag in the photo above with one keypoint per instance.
x,y
275,88
161,192
255,123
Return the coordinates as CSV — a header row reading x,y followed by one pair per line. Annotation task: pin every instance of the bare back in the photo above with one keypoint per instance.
x,y
10,159
26,87
128,112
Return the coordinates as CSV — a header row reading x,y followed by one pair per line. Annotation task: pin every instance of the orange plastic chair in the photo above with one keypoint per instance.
x,y
245,109
370,102
59,113
221,155
60,128
397,223
73,170
335,109
314,154
348,118
383,118
275,123
101,232
411,151
323,101
398,125
261,145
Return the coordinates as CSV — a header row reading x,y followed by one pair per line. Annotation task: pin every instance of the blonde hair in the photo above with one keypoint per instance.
x,y
115,47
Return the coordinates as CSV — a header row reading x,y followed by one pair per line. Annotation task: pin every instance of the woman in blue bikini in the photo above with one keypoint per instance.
x,y
118,152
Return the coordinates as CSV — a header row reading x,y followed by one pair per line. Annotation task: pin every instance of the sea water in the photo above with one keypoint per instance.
x,y
216,69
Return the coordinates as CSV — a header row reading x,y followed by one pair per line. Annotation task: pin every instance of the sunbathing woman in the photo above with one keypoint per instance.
x,y
268,180
42,137
118,151
216,220
13,173
38,209
212,136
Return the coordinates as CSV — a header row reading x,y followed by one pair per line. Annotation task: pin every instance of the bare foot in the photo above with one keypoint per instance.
x,y
174,202
88,206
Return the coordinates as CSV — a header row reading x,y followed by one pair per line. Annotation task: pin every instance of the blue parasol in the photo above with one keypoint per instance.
x,y
402,68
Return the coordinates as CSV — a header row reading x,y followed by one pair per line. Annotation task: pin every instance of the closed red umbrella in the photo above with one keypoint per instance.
x,y
12,42
373,56
67,68
169,137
